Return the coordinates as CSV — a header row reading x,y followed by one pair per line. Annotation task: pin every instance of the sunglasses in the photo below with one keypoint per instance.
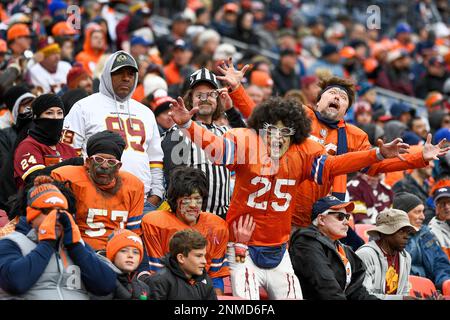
x,y
340,215
274,130
100,160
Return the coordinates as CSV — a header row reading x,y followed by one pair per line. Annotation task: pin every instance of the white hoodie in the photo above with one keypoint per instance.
x,y
143,155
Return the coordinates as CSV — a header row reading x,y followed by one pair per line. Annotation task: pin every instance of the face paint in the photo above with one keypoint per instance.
x,y
278,138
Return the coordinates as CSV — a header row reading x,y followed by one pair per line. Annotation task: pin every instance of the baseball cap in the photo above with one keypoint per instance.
x,y
181,44
231,7
308,80
364,87
17,30
123,59
62,28
330,202
396,54
441,134
436,61
362,106
389,221
328,49
398,108
441,193
203,75
161,104
136,40
261,78
347,52
403,27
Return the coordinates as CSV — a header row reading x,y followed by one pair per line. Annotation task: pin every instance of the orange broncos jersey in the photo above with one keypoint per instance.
x,y
98,215
264,187
357,140
158,227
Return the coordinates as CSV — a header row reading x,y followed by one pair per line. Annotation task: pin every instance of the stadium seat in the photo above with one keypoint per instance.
x,y
446,288
421,287
361,230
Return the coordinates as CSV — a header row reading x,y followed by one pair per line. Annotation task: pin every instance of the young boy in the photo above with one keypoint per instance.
x,y
184,277
125,250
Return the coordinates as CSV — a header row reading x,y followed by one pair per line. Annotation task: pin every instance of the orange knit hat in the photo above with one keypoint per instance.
x,y
18,30
62,28
44,196
123,238
261,78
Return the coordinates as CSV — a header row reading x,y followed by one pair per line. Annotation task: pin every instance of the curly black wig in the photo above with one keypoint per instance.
x,y
288,111
184,181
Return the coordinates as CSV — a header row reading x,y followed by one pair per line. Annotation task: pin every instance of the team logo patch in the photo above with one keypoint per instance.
x,y
121,58
54,200
135,239
323,133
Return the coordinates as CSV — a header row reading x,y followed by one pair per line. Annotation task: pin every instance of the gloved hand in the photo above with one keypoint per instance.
x,y
47,229
243,231
71,233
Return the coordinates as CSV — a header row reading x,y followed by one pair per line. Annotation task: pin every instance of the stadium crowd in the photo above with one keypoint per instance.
x,y
167,150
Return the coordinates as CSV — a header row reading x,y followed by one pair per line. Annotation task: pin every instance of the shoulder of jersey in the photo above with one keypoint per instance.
x,y
158,217
215,219
130,179
73,173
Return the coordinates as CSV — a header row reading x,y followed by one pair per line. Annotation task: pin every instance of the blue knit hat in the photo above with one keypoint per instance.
x,y
56,5
443,133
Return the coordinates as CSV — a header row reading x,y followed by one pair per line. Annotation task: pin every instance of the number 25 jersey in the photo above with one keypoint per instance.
x,y
132,120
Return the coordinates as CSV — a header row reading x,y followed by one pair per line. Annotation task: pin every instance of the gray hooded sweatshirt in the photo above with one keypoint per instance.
x,y
134,121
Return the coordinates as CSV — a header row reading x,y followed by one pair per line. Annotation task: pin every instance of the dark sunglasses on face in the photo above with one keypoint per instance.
x,y
100,160
340,215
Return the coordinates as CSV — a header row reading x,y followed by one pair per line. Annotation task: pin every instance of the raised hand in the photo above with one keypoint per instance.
x,y
179,113
243,231
230,75
393,149
225,99
432,152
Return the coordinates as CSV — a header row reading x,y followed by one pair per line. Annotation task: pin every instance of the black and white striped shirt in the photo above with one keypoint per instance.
x,y
179,149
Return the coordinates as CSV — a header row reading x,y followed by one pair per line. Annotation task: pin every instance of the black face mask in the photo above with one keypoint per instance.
x,y
23,119
47,131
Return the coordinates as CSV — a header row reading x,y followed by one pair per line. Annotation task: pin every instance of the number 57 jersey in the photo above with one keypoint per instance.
x,y
132,120
98,213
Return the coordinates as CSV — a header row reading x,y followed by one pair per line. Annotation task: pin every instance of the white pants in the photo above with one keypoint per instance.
x,y
279,282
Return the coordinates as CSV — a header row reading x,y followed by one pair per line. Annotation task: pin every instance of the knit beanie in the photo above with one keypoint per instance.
x,y
75,75
152,82
406,201
44,102
161,104
123,238
13,93
106,141
42,196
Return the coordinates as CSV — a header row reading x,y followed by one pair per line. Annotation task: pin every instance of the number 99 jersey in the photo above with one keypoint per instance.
x,y
132,120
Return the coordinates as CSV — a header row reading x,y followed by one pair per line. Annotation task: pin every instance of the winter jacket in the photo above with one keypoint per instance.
x,y
428,259
172,284
33,270
320,269
376,267
441,229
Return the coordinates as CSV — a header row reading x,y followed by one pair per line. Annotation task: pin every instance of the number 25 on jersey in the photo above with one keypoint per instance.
x,y
284,197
